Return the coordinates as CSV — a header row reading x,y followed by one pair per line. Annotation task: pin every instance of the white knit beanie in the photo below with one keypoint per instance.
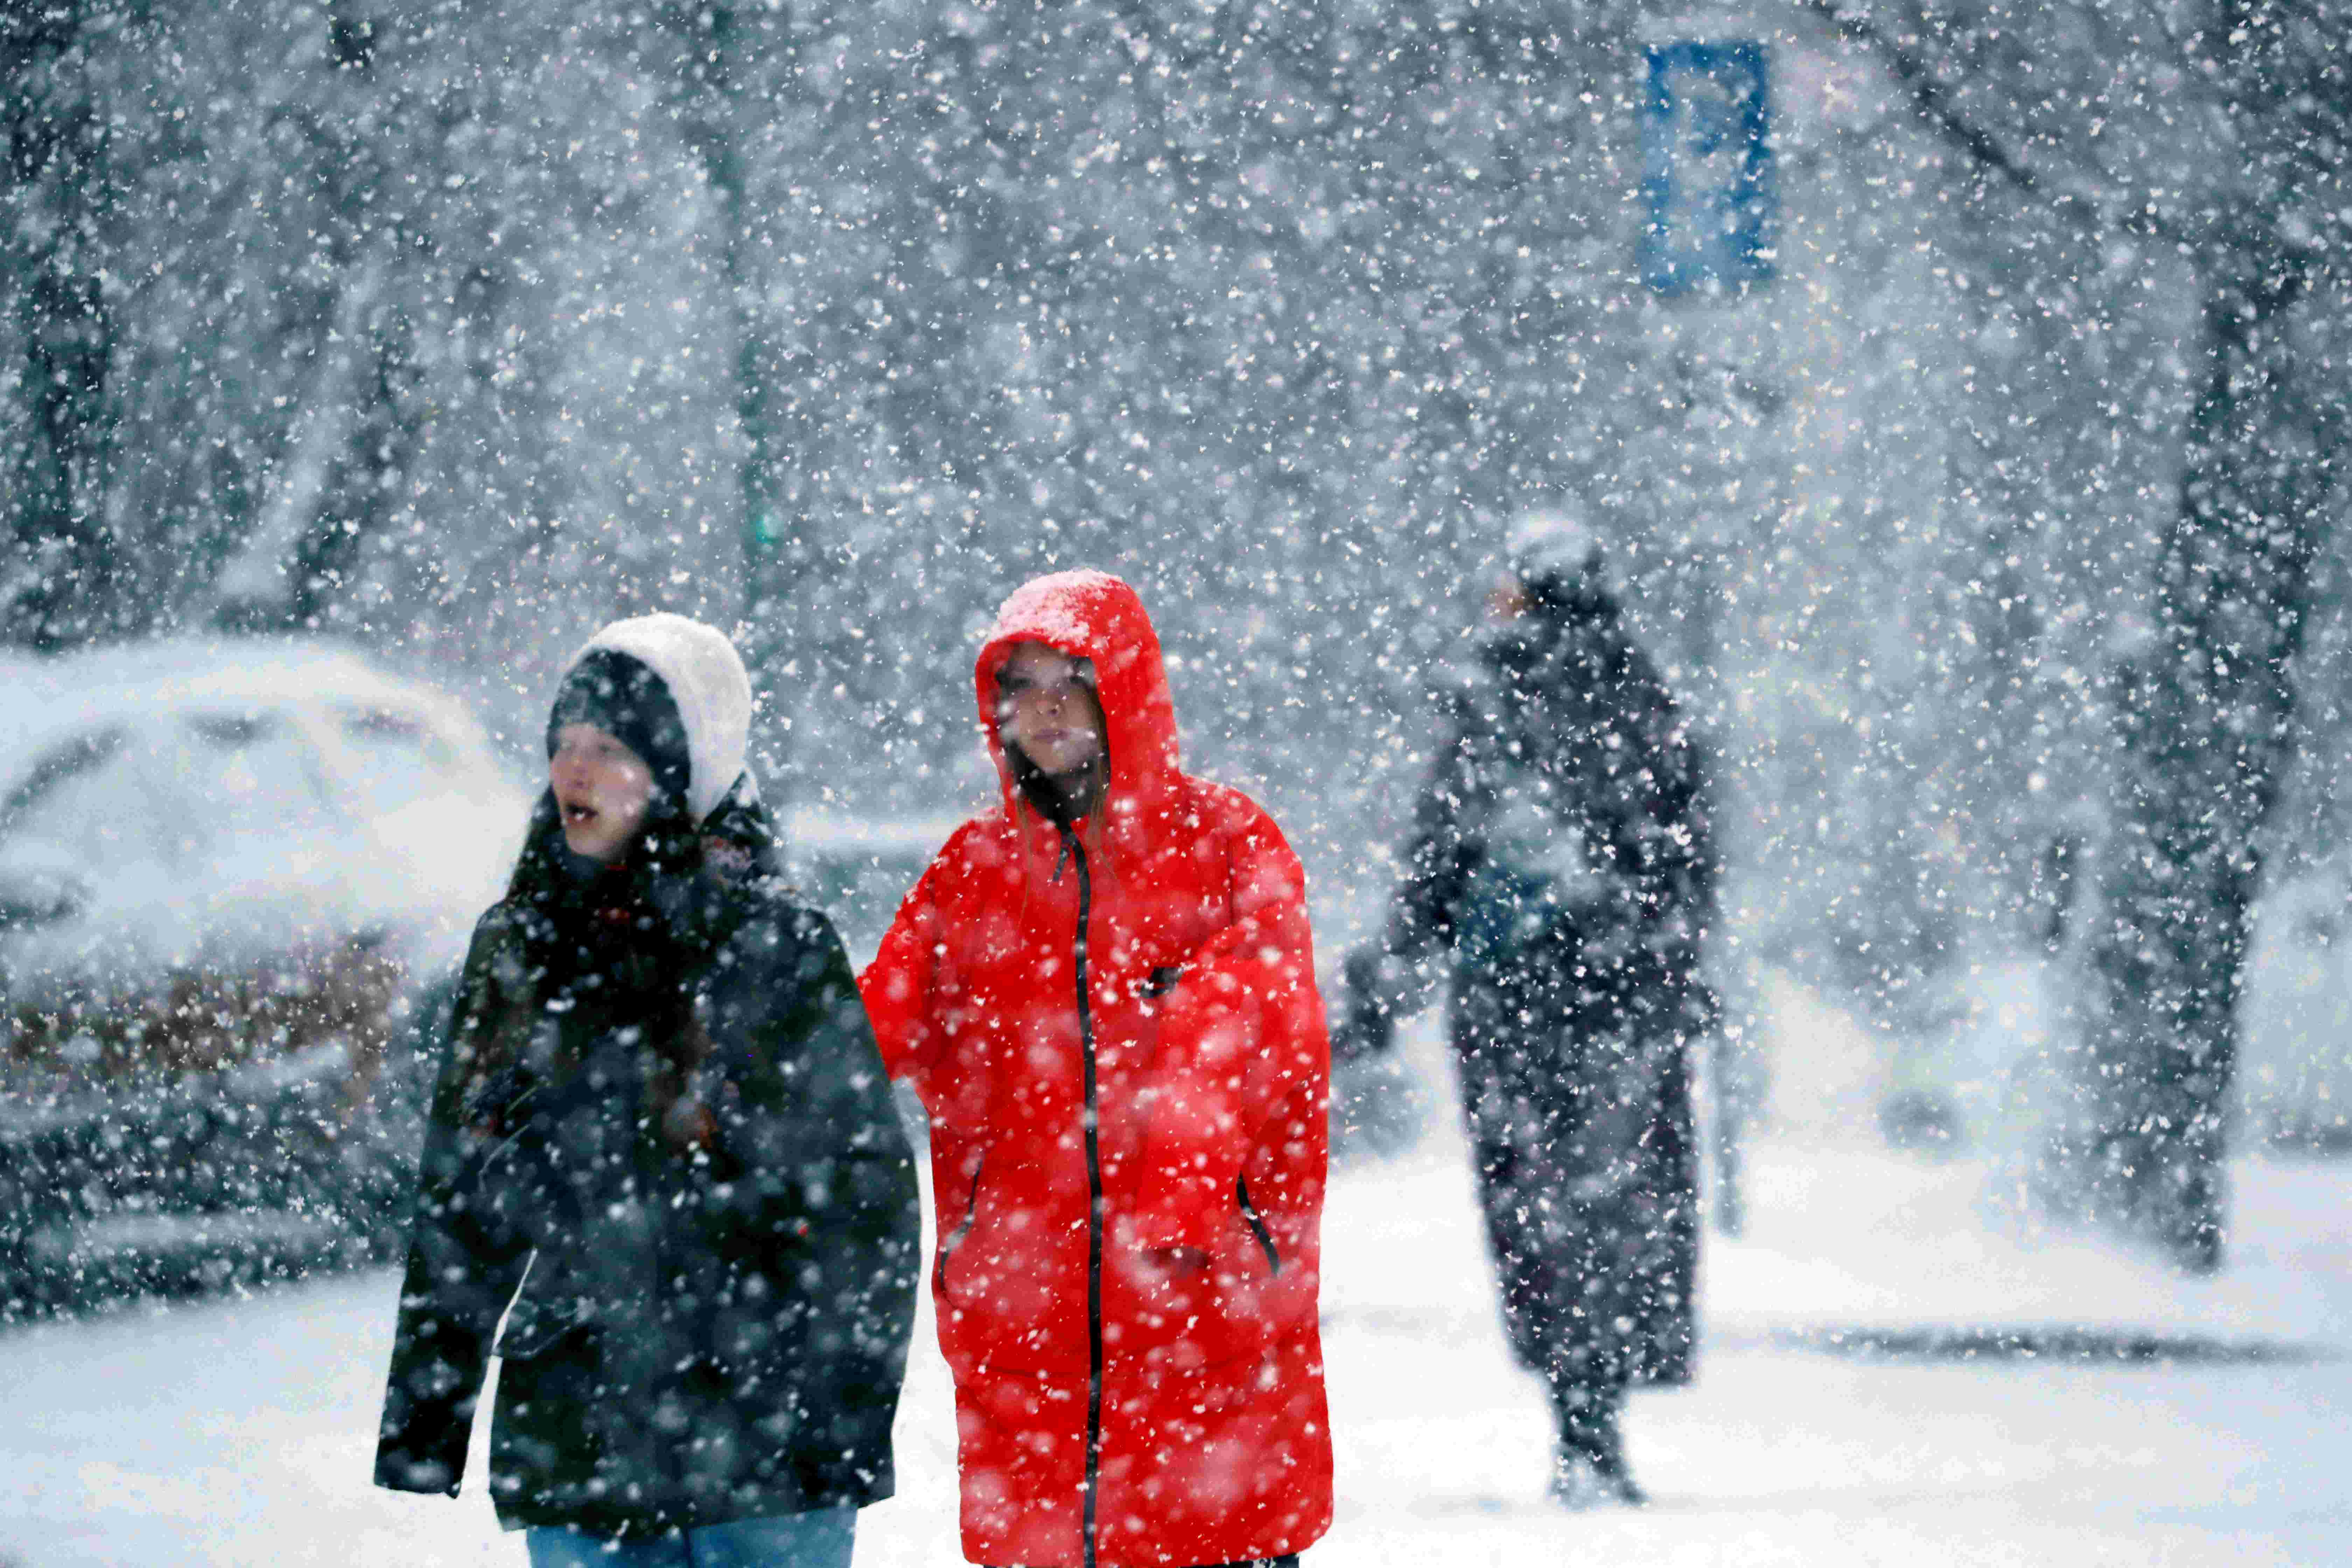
x,y
708,681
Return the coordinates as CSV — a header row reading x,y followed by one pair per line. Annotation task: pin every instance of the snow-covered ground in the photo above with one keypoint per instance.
x,y
240,1432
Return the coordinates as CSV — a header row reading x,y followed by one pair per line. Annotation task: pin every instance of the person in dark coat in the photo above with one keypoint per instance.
x,y
662,1136
1560,859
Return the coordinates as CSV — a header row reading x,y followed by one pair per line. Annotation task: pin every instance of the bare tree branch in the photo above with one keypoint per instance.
x,y
1933,100
1931,97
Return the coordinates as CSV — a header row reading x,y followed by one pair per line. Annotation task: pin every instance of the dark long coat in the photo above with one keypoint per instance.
x,y
713,1313
1560,859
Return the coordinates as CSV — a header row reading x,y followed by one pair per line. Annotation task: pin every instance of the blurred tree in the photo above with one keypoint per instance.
x,y
2221,129
61,586
731,73
338,138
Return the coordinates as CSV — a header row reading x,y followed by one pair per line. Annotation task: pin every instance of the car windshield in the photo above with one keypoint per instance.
x,y
120,794
81,795
238,771
56,767
394,758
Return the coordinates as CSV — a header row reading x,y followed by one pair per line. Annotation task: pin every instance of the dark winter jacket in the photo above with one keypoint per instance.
x,y
1560,877
710,1307
1117,1033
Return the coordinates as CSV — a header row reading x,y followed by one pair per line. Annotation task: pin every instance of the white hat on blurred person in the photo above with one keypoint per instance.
x,y
1549,542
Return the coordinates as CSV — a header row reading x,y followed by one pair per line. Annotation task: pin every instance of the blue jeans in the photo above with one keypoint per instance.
x,y
820,1539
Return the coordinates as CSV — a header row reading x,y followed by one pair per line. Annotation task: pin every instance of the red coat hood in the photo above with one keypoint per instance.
x,y
1092,616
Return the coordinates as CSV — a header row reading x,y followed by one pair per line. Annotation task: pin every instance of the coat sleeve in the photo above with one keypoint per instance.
x,y
897,985
1677,862
462,1271
1241,1038
1398,973
826,1178
1676,879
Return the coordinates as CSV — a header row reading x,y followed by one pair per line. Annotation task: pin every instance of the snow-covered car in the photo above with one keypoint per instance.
x,y
206,815
224,869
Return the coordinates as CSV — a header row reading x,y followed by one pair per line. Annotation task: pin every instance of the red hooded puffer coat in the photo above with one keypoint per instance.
x,y
1157,967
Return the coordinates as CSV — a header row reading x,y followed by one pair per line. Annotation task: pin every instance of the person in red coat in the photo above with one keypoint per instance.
x,y
1104,993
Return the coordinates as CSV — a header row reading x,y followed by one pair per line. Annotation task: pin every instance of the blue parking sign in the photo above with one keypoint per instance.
x,y
1706,125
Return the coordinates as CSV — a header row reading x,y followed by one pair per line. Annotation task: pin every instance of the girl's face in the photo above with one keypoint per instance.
x,y
1046,704
1507,602
601,789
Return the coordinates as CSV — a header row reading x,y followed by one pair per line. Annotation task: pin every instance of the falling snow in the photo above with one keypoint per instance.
x,y
1946,400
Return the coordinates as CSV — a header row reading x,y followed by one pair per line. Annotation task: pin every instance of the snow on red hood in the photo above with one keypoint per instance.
x,y
1092,616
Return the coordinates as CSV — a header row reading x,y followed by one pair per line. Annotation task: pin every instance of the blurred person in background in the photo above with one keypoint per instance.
x,y
662,1136
1559,877
1104,991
